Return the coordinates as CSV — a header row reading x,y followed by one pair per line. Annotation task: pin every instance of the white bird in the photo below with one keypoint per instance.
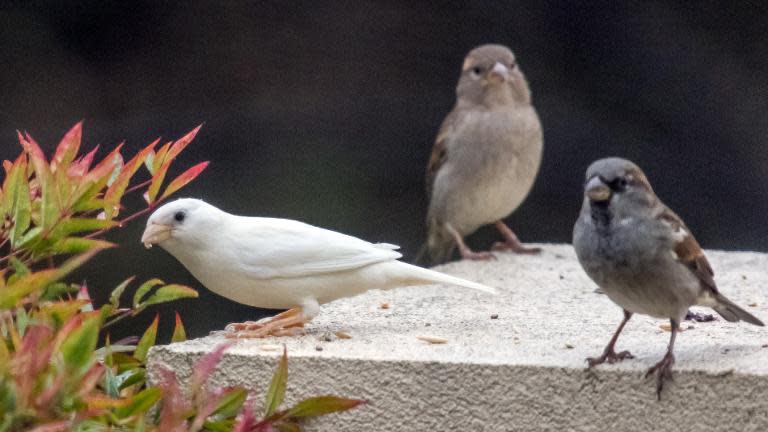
x,y
279,263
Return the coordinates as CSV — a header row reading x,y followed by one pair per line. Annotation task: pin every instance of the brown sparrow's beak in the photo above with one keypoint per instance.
x,y
155,233
498,73
596,190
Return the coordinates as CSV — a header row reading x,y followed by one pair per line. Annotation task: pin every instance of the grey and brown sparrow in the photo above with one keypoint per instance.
x,y
643,257
485,157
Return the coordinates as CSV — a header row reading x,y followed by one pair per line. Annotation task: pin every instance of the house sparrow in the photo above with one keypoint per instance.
x,y
485,157
643,257
279,263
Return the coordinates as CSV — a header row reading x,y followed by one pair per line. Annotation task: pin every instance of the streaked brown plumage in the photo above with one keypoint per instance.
x,y
485,157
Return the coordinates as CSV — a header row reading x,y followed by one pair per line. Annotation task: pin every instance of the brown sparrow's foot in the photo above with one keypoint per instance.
x,y
469,254
511,242
663,371
610,356
288,323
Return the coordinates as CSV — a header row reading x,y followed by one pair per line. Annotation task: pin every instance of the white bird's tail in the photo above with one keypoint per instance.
x,y
416,275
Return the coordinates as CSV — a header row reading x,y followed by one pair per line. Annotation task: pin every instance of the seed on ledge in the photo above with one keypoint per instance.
x,y
432,339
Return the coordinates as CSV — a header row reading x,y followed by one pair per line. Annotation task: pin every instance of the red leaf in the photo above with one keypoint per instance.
x,y
205,367
82,165
68,148
246,420
184,178
179,334
35,154
181,143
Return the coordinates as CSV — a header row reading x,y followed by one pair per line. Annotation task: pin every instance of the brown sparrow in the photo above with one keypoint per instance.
x,y
643,257
485,157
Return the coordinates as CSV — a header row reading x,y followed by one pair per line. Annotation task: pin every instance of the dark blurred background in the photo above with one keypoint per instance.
x,y
326,111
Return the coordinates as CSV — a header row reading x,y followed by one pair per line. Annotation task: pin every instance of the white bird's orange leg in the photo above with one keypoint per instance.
x,y
288,323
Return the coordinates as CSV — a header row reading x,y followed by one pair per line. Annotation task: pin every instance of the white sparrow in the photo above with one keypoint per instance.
x,y
643,257
279,263
485,157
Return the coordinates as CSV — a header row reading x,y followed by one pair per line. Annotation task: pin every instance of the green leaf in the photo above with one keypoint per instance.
x,y
114,297
143,289
230,403
77,349
117,188
78,225
111,384
73,245
179,334
140,403
29,237
322,405
147,341
22,207
169,293
276,391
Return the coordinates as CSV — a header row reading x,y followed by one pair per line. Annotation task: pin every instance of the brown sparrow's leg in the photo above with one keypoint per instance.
x,y
511,242
288,323
609,354
466,252
663,369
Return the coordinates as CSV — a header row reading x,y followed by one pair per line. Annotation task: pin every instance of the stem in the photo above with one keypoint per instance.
x,y
138,186
124,221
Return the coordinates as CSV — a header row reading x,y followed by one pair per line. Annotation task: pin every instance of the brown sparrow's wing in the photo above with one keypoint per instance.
x,y
439,149
688,250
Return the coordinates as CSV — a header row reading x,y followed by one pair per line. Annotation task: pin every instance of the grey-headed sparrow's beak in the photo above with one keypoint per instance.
x,y
499,72
155,233
596,190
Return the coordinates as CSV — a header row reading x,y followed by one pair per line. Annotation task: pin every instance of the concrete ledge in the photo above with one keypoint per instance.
x,y
524,370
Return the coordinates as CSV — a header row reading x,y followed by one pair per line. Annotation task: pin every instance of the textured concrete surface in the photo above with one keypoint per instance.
x,y
523,370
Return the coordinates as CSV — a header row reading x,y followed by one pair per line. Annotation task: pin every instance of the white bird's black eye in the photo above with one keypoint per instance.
x,y
179,216
477,70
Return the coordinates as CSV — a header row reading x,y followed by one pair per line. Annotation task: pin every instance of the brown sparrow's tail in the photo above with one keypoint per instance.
x,y
732,312
438,248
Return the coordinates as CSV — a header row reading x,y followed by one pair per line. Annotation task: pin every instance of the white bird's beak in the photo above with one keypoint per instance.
x,y
155,233
499,72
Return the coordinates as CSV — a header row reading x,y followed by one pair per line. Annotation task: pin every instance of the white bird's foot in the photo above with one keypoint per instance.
x,y
288,323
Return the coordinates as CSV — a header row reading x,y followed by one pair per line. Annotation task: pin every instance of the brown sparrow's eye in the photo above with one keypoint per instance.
x,y
622,183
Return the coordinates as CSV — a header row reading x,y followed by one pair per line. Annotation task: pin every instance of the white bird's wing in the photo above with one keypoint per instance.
x,y
270,248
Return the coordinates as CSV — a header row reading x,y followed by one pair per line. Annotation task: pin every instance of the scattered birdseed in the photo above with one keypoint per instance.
x,y
384,306
495,316
752,305
699,317
432,339
343,335
569,346
318,348
668,328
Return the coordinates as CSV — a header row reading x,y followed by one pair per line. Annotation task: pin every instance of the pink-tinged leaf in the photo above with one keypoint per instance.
x,y
179,334
91,378
157,181
104,169
181,143
115,192
7,166
246,420
82,294
147,341
205,367
322,405
67,148
161,156
56,426
276,391
183,179
80,167
33,148
77,348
